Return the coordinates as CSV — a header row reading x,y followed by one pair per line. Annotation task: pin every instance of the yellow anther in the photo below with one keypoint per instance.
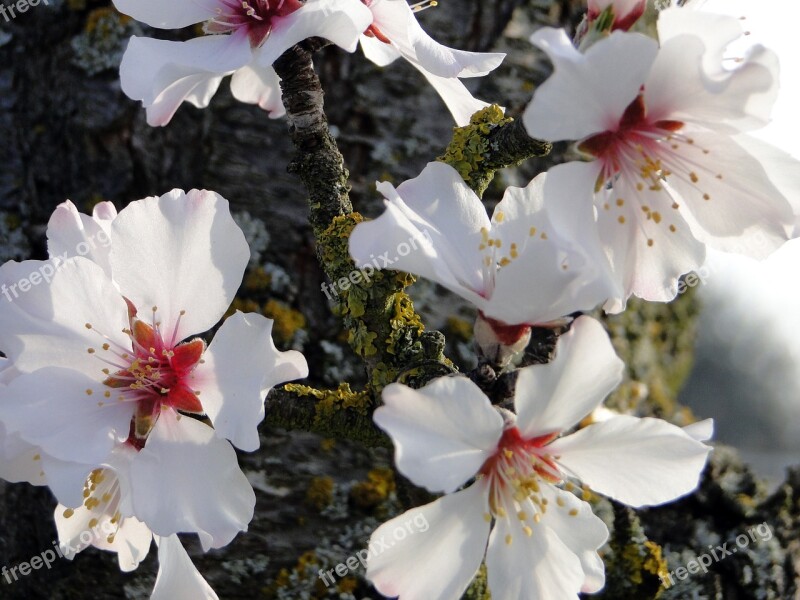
x,y
68,513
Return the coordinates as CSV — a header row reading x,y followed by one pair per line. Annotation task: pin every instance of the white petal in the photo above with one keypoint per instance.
x,y
103,213
440,557
756,74
442,433
19,460
71,233
458,99
649,249
781,169
570,208
44,311
178,578
180,252
431,228
581,530
553,397
702,431
579,98
169,495
129,539
398,23
163,74
51,409
197,88
172,15
379,52
549,272
66,479
240,367
131,543
339,21
640,462
531,567
741,99
744,211
259,85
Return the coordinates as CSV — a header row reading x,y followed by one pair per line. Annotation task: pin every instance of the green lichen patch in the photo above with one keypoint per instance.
x,y
468,150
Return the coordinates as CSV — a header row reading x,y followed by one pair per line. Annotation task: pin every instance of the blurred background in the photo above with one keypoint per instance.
x,y
747,360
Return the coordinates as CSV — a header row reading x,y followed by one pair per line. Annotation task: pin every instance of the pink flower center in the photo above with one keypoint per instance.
x,y
635,142
638,156
154,373
517,468
255,17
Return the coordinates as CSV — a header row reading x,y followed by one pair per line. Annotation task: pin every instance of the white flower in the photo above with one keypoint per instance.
x,y
247,37
542,539
516,268
101,522
395,32
102,362
671,170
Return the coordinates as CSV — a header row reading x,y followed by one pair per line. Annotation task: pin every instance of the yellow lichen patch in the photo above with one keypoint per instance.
x,y
375,490
243,305
348,585
467,150
257,280
460,328
654,561
319,494
96,18
332,401
287,320
327,444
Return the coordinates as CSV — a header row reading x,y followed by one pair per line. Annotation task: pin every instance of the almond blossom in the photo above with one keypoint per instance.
x,y
516,268
671,169
245,38
104,358
542,539
395,32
